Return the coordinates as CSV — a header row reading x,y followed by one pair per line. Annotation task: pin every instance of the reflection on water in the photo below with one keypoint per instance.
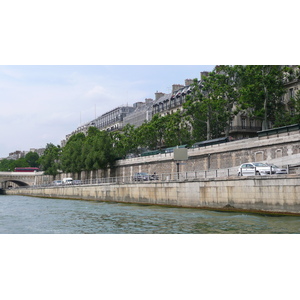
x,y
38,215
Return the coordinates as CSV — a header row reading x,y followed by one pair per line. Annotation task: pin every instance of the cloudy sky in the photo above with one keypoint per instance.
x,y
61,61
42,104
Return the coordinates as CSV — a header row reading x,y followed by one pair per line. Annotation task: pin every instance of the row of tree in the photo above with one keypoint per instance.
x,y
31,159
207,113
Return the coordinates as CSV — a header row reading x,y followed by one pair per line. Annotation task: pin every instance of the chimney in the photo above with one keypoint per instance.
x,y
148,100
176,87
188,82
204,73
158,95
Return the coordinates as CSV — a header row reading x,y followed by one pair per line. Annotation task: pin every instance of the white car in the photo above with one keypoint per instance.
x,y
254,168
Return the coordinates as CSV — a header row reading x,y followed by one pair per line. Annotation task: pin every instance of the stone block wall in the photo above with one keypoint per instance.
x,y
283,148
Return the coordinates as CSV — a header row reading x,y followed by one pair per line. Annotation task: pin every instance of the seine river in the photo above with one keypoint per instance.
x,y
27,215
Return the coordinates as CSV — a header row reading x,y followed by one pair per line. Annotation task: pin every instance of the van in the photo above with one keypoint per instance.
x,y
67,180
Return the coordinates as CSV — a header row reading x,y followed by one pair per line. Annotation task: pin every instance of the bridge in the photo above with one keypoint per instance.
x,y
9,179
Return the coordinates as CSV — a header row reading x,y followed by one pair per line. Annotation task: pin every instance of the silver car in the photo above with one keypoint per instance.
x,y
254,168
57,182
277,169
141,176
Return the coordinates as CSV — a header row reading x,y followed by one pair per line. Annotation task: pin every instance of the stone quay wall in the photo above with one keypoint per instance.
x,y
282,149
258,194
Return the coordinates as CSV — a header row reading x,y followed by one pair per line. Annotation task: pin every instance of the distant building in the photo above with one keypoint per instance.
x,y
117,118
20,154
169,103
16,155
113,120
142,113
292,85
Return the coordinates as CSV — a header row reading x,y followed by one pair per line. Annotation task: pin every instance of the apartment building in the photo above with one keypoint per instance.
x,y
292,85
113,120
142,113
242,125
169,103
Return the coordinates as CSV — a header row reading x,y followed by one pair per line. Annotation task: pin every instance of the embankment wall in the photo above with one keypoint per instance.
x,y
272,194
282,149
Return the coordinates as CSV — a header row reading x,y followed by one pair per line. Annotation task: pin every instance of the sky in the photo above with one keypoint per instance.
x,y
60,67
42,104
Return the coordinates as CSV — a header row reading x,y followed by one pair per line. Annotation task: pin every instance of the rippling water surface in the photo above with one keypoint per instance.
x,y
20,214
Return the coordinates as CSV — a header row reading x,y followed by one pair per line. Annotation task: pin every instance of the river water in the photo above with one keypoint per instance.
x,y
28,215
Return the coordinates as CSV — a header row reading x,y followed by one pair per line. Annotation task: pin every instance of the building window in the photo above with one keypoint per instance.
x,y
291,93
243,123
251,123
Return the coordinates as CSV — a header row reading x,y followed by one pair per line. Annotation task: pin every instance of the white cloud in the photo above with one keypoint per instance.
x,y
95,92
42,104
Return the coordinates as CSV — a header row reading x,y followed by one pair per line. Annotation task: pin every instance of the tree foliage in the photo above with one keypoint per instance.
x,y
211,107
91,152
71,157
50,160
262,88
98,151
31,159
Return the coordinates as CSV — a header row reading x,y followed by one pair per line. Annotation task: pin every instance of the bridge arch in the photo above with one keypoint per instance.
x,y
20,178
17,182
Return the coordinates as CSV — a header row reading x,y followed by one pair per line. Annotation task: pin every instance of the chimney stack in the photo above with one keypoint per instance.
x,y
176,87
188,82
158,95
204,73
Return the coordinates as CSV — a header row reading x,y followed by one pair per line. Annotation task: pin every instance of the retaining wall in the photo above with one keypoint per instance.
x,y
272,194
282,149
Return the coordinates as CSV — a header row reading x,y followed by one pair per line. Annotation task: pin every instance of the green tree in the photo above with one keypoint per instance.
x,y
195,113
32,158
291,116
226,85
151,134
98,151
7,165
125,141
71,156
261,91
177,130
205,109
49,161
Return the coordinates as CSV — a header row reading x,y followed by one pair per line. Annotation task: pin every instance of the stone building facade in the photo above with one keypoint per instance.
x,y
142,113
113,120
242,126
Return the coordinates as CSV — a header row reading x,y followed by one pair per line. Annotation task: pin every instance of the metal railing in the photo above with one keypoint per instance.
x,y
164,177
150,178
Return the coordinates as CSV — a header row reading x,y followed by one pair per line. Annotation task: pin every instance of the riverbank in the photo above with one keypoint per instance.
x,y
255,194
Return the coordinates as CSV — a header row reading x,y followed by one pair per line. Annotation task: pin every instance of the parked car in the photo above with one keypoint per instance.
x,y
255,168
141,176
76,182
57,182
277,169
67,180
